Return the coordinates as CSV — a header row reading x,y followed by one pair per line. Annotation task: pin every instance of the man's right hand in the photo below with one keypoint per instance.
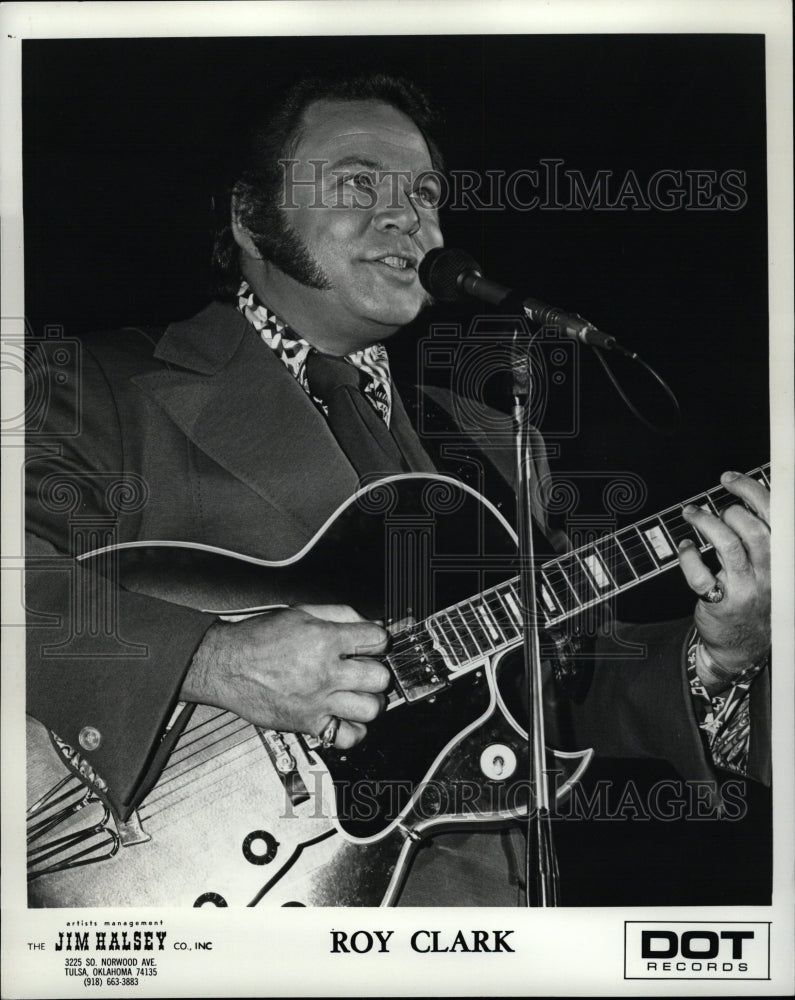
x,y
294,669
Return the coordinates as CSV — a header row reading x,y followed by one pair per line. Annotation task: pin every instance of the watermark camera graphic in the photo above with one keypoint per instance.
x,y
471,362
46,421
37,367
51,363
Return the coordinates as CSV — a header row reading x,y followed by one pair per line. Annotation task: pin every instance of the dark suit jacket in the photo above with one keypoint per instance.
x,y
217,443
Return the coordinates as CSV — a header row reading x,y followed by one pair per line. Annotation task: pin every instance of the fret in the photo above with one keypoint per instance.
x,y
678,528
473,629
476,629
442,642
559,584
703,543
459,649
709,506
642,560
502,615
573,573
613,555
548,595
469,640
721,499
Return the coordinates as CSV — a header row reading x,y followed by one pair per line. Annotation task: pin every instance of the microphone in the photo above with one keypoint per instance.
x,y
450,274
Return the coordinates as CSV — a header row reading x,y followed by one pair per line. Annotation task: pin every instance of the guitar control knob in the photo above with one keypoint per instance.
x,y
259,847
216,899
498,762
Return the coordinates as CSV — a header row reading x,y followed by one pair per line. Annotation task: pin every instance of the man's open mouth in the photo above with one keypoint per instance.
x,y
397,261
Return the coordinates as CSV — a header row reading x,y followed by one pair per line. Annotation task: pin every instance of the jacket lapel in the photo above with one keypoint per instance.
x,y
234,399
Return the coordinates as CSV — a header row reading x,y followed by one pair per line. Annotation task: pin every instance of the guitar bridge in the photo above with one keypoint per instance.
x,y
131,832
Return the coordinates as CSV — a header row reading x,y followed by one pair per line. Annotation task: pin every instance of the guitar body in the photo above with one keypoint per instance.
x,y
242,815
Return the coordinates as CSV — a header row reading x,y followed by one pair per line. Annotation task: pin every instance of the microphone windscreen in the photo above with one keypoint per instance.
x,y
440,270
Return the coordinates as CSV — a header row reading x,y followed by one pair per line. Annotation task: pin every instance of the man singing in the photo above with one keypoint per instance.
x,y
236,424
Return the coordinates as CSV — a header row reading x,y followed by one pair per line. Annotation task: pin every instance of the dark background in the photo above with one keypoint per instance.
x,y
125,143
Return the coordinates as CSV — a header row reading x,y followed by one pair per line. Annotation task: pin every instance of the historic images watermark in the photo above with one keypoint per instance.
x,y
379,802
548,185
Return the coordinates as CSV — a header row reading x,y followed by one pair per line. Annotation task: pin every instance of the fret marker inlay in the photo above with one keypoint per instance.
x,y
509,598
465,633
548,600
659,543
488,623
597,571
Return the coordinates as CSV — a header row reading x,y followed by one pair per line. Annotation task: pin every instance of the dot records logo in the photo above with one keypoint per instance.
x,y
673,949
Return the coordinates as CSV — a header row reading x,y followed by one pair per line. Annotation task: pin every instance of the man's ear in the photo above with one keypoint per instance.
x,y
240,233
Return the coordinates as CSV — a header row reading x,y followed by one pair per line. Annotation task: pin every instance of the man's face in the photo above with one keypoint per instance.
x,y
360,199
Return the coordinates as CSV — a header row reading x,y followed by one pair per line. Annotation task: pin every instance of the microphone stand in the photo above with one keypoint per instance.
x,y
541,866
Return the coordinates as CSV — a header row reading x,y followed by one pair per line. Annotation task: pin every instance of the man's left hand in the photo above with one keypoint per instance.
x,y
735,632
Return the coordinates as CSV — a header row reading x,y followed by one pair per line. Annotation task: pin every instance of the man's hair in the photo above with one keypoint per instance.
x,y
256,183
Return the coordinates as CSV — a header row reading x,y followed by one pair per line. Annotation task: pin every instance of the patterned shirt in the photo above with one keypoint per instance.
x,y
724,719
293,350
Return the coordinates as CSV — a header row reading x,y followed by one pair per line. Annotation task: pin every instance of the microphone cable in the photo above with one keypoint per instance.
x,y
451,274
666,429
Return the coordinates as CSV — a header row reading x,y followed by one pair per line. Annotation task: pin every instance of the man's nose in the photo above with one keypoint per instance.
x,y
396,211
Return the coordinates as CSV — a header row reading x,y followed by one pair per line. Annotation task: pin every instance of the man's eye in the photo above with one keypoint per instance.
x,y
364,181
426,197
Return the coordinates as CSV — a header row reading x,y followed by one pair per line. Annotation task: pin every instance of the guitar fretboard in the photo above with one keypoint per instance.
x,y
493,621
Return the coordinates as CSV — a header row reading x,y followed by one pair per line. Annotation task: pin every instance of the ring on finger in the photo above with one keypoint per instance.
x,y
714,595
329,734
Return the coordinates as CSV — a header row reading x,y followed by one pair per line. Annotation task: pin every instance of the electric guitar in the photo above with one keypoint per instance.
x,y
242,815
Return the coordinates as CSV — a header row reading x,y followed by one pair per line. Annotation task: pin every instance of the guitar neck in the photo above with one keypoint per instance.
x,y
492,621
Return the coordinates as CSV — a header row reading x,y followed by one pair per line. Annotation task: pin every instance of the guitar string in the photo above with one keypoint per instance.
x,y
404,643
571,565
184,771
573,569
187,764
720,494
223,766
203,741
219,715
189,747
177,768
184,768
188,791
224,720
